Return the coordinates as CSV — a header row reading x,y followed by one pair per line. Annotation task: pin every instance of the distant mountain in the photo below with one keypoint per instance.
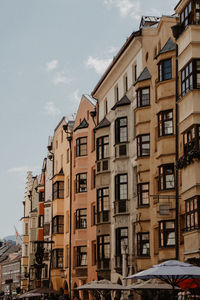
x,y
12,238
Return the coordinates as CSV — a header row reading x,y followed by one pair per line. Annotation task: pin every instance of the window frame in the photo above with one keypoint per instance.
x,y
78,179
81,219
121,136
119,238
162,70
141,144
164,234
141,243
103,248
162,122
56,255
58,190
140,194
81,142
103,147
58,224
191,138
192,213
102,202
79,256
142,99
190,75
162,176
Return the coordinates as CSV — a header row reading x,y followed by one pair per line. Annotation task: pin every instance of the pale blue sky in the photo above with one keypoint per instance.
x,y
51,52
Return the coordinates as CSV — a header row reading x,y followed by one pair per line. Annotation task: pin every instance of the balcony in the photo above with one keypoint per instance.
x,y
103,217
81,271
121,207
118,264
103,264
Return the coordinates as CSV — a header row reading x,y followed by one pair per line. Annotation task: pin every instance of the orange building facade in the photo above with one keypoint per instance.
x,y
83,196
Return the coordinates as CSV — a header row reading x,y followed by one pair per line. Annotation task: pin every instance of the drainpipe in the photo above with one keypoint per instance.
x,y
177,155
69,138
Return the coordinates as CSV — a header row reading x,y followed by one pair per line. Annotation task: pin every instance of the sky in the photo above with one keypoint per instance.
x,y
52,52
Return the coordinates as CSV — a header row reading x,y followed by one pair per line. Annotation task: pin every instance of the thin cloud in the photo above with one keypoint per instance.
x,y
23,169
61,78
51,109
98,64
76,96
52,65
126,7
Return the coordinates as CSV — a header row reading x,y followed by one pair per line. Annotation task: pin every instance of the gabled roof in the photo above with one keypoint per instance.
x,y
103,123
83,124
145,75
123,101
169,46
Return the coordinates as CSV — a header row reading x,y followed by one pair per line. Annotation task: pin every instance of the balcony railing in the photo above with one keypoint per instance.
x,y
103,216
121,206
103,264
81,271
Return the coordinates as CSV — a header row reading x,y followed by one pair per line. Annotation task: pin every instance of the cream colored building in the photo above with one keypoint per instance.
x,y
116,172
187,33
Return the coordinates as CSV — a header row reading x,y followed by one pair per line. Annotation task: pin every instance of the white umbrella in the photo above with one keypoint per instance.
x,y
171,271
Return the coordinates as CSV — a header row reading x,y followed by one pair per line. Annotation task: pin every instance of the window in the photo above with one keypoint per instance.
x,y
143,97
192,213
167,233
58,224
41,196
105,107
134,72
81,256
143,145
125,79
121,187
102,205
191,138
165,123
94,253
67,156
81,218
165,70
57,259
102,147
41,221
58,190
143,248
81,182
166,177
116,91
121,240
121,130
190,76
186,15
103,248
143,194
81,146
26,229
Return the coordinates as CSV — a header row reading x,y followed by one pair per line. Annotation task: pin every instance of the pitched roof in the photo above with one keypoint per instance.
x,y
169,46
123,101
103,123
144,75
83,124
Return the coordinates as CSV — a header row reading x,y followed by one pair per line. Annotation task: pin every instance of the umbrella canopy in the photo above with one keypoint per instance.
x,y
171,271
38,292
102,285
151,285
